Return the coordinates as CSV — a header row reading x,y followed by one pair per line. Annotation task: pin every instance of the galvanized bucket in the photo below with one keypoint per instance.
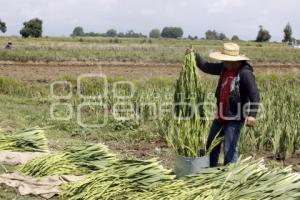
x,y
188,166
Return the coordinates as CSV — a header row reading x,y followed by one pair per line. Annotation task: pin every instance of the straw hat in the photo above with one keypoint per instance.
x,y
231,52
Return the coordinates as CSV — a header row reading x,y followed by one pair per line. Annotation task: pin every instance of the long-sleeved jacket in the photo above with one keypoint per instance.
x,y
244,89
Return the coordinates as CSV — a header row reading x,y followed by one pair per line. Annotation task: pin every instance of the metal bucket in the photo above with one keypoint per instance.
x,y
189,166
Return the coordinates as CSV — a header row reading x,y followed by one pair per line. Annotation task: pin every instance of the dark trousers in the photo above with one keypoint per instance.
x,y
231,132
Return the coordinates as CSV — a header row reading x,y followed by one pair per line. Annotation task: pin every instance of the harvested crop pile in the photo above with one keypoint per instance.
x,y
119,181
74,161
30,140
188,132
245,179
189,91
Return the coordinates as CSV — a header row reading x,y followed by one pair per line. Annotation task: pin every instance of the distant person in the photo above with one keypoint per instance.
x,y
9,45
236,88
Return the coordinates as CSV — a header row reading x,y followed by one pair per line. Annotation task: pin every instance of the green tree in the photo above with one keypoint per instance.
x,y
132,34
2,26
235,38
288,33
92,34
172,32
211,35
78,31
192,37
32,28
263,35
111,33
222,36
121,34
214,35
154,33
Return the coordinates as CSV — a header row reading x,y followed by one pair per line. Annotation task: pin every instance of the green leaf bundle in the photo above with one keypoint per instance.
x,y
74,161
119,181
246,179
188,133
29,140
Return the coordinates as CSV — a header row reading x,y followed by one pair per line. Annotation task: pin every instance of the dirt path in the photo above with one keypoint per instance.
x,y
50,71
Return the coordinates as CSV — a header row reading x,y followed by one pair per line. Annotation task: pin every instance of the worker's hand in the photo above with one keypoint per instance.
x,y
250,121
189,50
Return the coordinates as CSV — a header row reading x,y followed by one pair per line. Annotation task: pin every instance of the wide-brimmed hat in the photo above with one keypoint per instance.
x,y
231,52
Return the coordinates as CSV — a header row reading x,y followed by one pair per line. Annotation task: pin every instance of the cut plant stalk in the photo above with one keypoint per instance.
x,y
188,134
30,140
119,181
74,161
246,179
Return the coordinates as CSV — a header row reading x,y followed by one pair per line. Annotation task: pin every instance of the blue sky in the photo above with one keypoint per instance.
x,y
241,17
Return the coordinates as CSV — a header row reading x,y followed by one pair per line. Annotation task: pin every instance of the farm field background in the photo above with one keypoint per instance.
x,y
27,71
93,49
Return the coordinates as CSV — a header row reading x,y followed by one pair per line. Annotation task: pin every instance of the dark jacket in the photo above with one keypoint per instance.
x,y
245,89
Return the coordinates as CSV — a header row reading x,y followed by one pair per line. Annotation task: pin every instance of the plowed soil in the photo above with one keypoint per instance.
x,y
50,71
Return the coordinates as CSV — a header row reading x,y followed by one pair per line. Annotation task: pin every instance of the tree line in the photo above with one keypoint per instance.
x,y
31,28
34,28
167,32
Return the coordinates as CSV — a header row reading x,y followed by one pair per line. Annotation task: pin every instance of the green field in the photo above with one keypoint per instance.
x,y
28,103
134,50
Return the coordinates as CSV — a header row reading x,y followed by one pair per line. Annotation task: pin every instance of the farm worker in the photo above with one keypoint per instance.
x,y
237,99
8,45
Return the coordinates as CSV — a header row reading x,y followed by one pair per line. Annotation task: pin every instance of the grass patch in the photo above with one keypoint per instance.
x,y
135,50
